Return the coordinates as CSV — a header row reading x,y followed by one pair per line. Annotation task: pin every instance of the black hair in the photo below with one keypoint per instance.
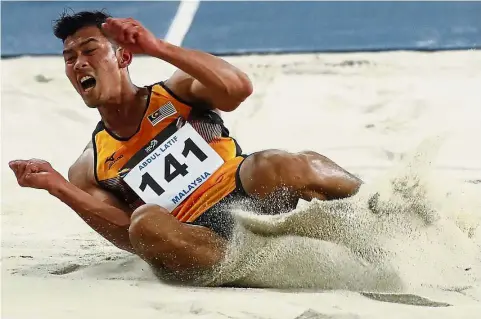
x,y
68,24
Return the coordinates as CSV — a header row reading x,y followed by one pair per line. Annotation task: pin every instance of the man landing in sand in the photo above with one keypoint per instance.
x,y
161,169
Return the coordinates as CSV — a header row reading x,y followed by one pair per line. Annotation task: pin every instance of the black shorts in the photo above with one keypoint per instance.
x,y
219,218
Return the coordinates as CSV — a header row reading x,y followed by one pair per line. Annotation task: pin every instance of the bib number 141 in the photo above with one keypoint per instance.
x,y
172,163
172,171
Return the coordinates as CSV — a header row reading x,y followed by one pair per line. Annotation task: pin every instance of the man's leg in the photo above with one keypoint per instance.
x,y
168,244
278,176
165,243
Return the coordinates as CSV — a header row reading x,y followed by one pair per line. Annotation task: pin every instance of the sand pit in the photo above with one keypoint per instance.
x,y
407,123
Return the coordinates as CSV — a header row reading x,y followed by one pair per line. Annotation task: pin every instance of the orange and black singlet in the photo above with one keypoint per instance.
x,y
181,157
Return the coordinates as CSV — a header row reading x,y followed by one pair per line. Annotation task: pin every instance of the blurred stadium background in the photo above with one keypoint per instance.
x,y
243,27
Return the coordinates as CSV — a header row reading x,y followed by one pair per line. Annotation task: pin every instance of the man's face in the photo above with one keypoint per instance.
x,y
92,66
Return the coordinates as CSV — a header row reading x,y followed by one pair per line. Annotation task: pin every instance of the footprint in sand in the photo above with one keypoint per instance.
x,y
67,270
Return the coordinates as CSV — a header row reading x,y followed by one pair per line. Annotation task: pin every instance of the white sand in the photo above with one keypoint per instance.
x,y
419,254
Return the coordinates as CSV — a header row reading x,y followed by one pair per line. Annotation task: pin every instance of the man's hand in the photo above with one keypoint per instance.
x,y
131,35
96,209
36,173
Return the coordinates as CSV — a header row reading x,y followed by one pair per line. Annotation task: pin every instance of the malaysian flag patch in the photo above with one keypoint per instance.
x,y
162,112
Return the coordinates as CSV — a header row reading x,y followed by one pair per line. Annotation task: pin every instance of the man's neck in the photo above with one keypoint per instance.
x,y
123,116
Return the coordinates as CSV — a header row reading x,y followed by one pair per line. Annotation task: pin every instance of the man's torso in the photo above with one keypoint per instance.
x,y
187,167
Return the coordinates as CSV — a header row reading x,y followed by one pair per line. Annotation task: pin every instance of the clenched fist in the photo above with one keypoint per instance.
x,y
36,173
131,35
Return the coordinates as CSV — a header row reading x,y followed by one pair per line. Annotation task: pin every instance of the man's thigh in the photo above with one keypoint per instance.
x,y
290,176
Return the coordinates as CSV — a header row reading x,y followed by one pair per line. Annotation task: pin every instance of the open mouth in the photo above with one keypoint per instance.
x,y
87,83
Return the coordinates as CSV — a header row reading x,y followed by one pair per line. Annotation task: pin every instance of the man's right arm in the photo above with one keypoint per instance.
x,y
102,211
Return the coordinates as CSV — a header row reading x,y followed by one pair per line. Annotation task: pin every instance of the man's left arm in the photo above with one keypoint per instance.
x,y
204,78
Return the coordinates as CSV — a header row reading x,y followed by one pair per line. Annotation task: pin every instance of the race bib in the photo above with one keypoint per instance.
x,y
173,169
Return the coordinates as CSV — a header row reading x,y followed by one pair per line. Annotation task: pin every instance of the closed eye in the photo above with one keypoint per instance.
x,y
89,51
70,59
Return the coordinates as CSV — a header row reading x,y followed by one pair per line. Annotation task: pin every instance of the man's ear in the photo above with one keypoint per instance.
x,y
124,57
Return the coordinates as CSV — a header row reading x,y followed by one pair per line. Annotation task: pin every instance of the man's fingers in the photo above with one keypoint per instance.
x,y
131,34
122,30
13,165
28,172
113,26
31,168
107,29
22,168
18,167
127,32
114,31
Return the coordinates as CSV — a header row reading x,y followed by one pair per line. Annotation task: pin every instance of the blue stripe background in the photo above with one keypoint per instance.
x,y
266,26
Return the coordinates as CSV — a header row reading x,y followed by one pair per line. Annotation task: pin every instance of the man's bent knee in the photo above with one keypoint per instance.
x,y
147,220
146,210
151,231
166,243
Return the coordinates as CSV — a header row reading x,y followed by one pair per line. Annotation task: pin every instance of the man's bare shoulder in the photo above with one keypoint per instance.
x,y
81,172
82,175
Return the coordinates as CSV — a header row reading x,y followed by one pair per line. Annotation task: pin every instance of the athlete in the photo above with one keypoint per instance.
x,y
161,170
